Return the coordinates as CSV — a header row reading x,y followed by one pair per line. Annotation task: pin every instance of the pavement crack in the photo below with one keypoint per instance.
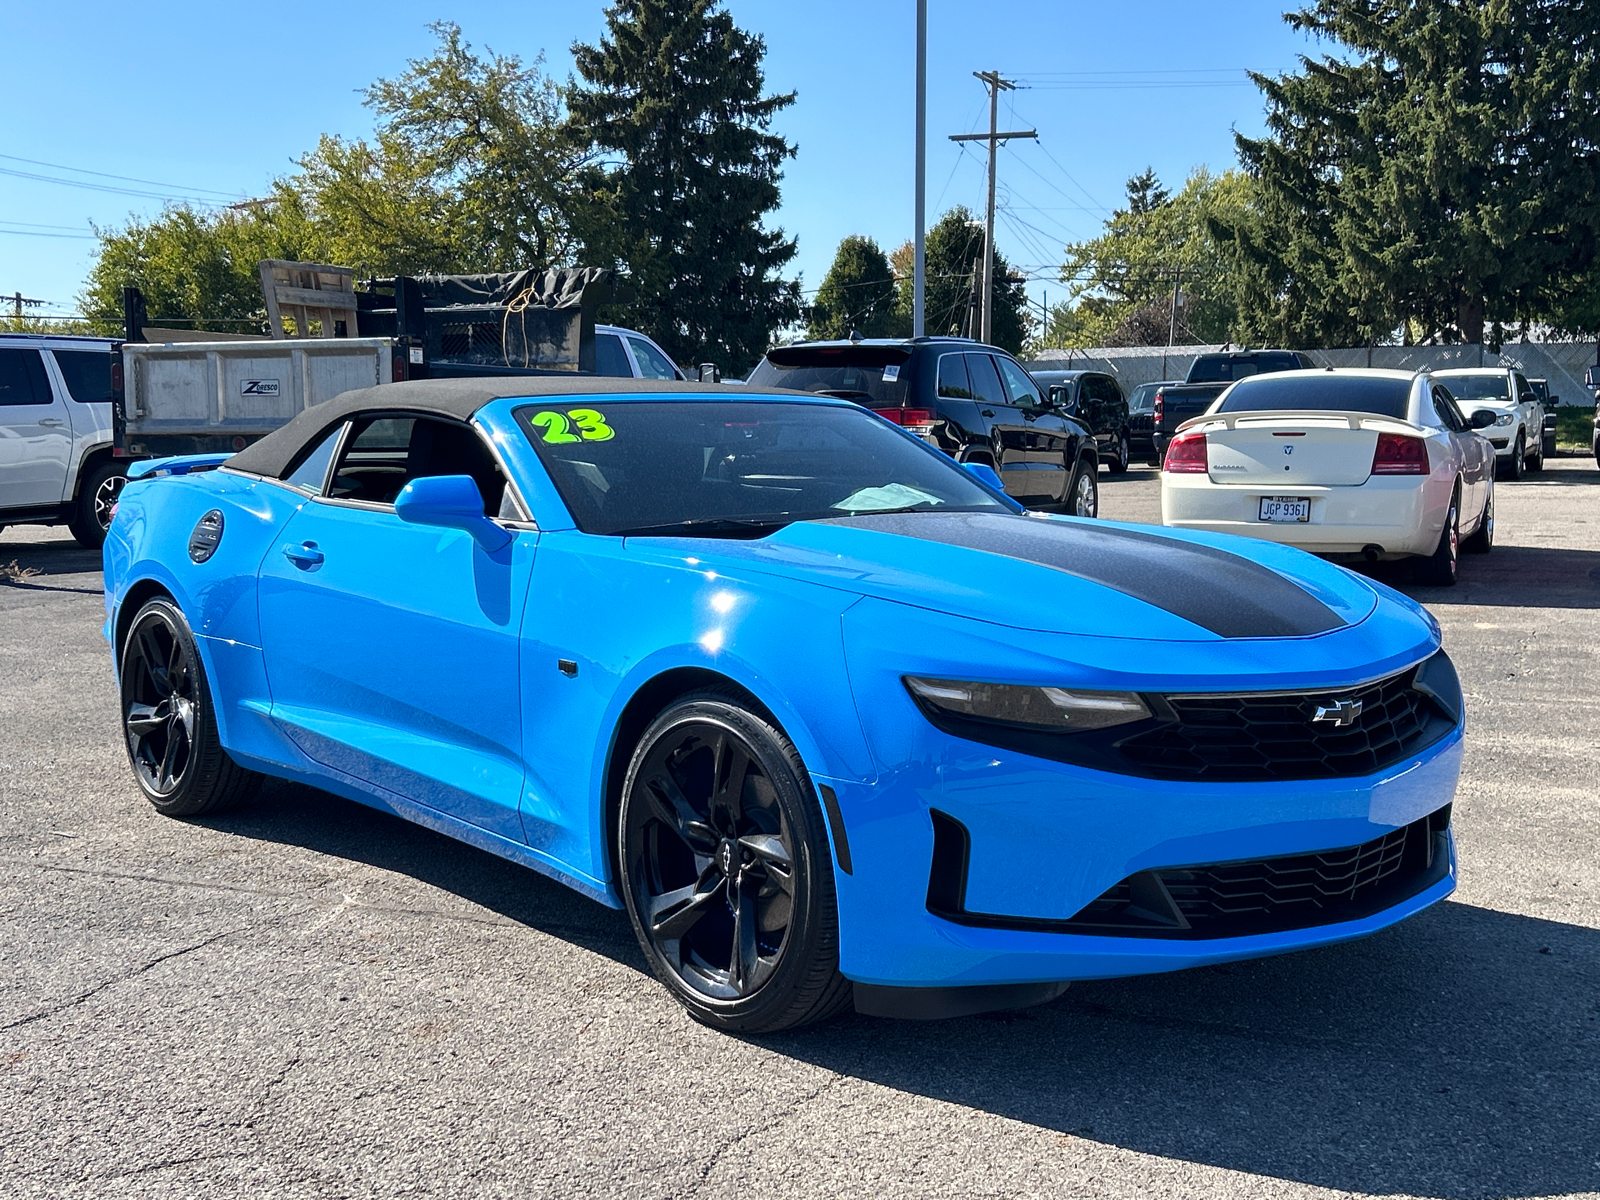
x,y
81,997
778,1119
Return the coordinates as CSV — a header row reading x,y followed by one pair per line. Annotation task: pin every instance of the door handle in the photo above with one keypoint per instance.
x,y
988,412
305,556
53,422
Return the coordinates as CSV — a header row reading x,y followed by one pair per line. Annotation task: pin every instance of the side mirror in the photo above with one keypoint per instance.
x,y
1482,418
1060,397
709,373
1553,401
984,473
1591,378
452,502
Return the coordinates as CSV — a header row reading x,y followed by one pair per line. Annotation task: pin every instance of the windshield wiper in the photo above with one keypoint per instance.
x,y
751,527
842,393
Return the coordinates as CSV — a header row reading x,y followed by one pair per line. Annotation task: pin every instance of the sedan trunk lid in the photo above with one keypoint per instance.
x,y
1279,449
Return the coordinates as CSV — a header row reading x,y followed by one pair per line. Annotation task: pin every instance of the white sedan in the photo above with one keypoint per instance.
x,y
1359,465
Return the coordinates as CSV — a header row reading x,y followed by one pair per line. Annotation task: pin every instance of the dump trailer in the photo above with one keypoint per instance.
x,y
189,392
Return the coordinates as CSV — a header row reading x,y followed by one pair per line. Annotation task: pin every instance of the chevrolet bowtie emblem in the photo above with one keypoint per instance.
x,y
1342,714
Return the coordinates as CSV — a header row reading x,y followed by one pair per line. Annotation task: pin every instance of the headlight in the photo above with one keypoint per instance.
x,y
1051,708
1505,419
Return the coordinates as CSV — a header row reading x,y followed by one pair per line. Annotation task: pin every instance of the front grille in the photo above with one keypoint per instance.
x,y
1274,894
1220,900
1274,737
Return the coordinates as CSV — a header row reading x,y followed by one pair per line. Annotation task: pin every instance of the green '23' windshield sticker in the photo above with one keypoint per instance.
x,y
557,427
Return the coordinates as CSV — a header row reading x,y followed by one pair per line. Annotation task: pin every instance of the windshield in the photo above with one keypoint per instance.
x,y
1225,368
1143,398
1340,393
737,468
1477,387
874,374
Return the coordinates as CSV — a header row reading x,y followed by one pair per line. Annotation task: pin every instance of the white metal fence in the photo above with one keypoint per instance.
x,y
1562,363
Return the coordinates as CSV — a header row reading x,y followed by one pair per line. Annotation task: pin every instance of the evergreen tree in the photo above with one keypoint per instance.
x,y
673,96
953,264
858,294
1438,171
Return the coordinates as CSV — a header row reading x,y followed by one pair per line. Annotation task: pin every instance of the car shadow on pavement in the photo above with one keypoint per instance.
x,y
294,814
1509,577
1454,1056
33,563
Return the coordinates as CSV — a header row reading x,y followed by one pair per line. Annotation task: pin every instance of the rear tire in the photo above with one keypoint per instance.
x,y
1482,539
1439,568
729,885
91,514
1083,490
168,721
1124,455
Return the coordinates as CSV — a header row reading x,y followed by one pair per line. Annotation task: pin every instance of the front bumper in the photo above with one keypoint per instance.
x,y
1046,839
1402,515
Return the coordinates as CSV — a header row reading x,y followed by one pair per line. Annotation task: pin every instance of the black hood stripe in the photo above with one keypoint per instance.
x,y
1229,595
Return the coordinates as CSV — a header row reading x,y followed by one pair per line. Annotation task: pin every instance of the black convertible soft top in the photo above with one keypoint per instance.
x,y
273,455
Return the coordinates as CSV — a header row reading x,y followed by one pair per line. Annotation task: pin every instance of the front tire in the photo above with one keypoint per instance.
x,y
1482,539
168,721
1439,568
727,871
97,498
1517,463
1536,460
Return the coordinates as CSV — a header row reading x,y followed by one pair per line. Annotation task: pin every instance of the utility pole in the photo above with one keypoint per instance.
x,y
1172,329
920,267
996,85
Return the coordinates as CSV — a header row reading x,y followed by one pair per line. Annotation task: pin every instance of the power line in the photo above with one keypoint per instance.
x,y
106,187
87,237
34,162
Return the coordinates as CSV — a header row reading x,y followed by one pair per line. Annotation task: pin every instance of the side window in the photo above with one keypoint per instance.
x,y
22,378
1024,392
610,358
1112,392
1449,415
1524,389
953,377
386,452
312,472
652,363
985,380
88,374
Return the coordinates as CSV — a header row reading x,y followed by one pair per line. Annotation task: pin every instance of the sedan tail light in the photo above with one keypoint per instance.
x,y
919,421
1400,454
1186,454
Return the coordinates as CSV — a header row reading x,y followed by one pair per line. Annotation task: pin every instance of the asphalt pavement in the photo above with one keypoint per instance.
x,y
307,998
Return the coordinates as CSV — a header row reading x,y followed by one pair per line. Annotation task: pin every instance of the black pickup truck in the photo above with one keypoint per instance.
x,y
1209,376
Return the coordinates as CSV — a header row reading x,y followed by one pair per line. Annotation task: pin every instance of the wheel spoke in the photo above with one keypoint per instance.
x,y
151,658
164,771
673,809
744,960
143,720
177,668
732,768
672,914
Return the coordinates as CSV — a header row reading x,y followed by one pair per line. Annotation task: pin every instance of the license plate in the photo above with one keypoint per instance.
x,y
1285,508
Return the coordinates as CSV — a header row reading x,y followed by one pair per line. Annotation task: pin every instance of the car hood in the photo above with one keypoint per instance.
x,y
1065,575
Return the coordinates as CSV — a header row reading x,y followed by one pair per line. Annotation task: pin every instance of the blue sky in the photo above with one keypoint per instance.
x,y
222,97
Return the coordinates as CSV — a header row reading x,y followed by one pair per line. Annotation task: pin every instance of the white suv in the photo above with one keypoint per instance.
x,y
56,466
1518,430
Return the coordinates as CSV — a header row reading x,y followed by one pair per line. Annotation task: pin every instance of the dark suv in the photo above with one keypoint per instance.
x,y
1097,402
972,401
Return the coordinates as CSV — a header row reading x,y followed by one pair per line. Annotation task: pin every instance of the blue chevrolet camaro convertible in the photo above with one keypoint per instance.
x,y
828,714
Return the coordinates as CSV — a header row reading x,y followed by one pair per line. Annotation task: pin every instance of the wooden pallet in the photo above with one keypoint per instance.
x,y
307,292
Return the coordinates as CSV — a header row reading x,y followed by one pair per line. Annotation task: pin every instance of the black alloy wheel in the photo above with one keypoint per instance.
x,y
728,875
97,500
1083,490
166,714
1439,568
